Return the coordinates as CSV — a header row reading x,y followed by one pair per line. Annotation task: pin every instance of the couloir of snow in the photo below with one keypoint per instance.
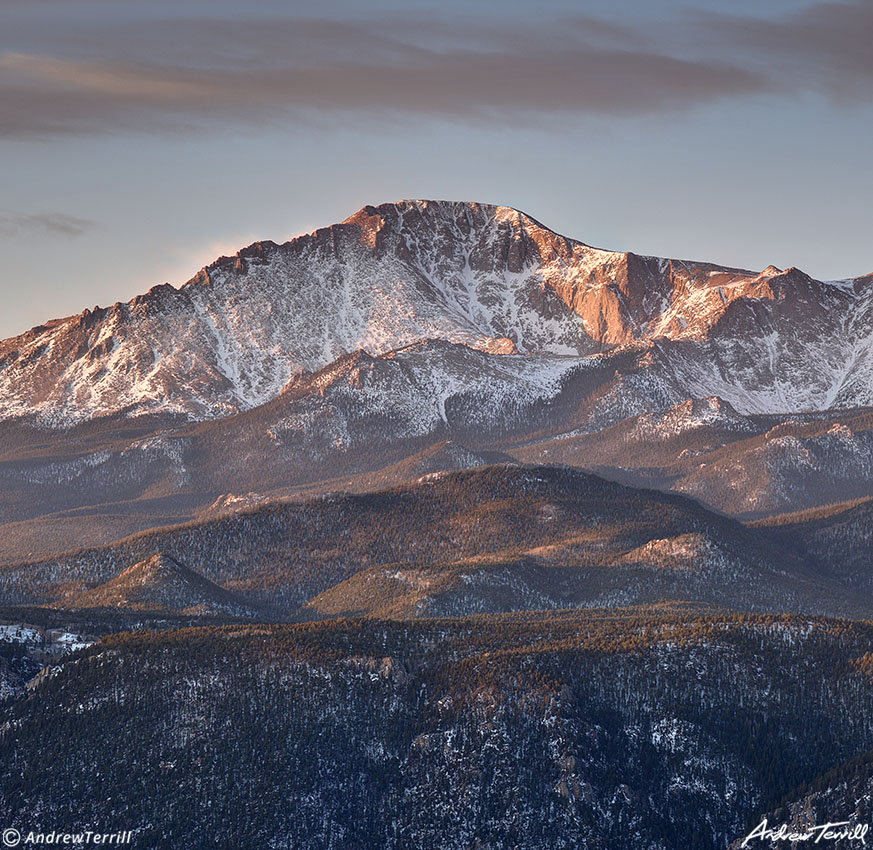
x,y
490,278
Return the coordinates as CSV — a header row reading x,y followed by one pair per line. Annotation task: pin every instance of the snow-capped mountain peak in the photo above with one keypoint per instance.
x,y
488,277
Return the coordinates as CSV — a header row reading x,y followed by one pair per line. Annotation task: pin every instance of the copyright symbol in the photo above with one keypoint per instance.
x,y
11,837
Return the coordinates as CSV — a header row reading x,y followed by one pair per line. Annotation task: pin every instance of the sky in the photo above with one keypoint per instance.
x,y
141,139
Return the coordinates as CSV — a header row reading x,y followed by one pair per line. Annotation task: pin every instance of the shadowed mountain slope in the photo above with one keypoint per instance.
x,y
160,584
490,539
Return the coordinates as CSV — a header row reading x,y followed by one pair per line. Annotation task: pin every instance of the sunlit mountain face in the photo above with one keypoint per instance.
x,y
436,528
425,335
491,279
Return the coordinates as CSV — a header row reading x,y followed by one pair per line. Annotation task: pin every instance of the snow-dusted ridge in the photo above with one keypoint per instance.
x,y
490,278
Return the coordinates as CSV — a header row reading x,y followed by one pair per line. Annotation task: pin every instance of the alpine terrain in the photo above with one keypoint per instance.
x,y
435,528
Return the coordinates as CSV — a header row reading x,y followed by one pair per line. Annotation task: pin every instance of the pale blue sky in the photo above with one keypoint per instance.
x,y
140,140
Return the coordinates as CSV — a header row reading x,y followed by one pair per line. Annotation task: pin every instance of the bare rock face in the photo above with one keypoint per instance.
x,y
490,278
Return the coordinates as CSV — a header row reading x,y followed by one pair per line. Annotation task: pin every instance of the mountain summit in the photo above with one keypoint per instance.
x,y
160,583
488,277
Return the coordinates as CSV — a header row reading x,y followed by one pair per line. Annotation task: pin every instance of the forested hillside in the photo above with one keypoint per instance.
x,y
605,730
496,538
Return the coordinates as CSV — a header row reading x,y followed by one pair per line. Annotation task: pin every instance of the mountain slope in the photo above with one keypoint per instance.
x,y
746,466
160,583
593,731
487,277
490,539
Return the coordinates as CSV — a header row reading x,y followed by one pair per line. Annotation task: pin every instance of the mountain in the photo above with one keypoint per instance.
x,y
160,583
366,423
491,539
841,534
489,278
747,466
434,528
592,730
346,358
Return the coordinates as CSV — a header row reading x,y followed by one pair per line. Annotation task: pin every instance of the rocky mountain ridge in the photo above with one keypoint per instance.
x,y
486,277
424,431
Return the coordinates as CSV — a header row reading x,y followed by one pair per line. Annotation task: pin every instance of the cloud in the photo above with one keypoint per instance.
x,y
162,75
825,47
50,223
42,95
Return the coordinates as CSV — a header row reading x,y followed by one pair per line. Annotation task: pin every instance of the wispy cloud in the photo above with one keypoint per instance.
x,y
51,223
42,95
824,47
161,75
